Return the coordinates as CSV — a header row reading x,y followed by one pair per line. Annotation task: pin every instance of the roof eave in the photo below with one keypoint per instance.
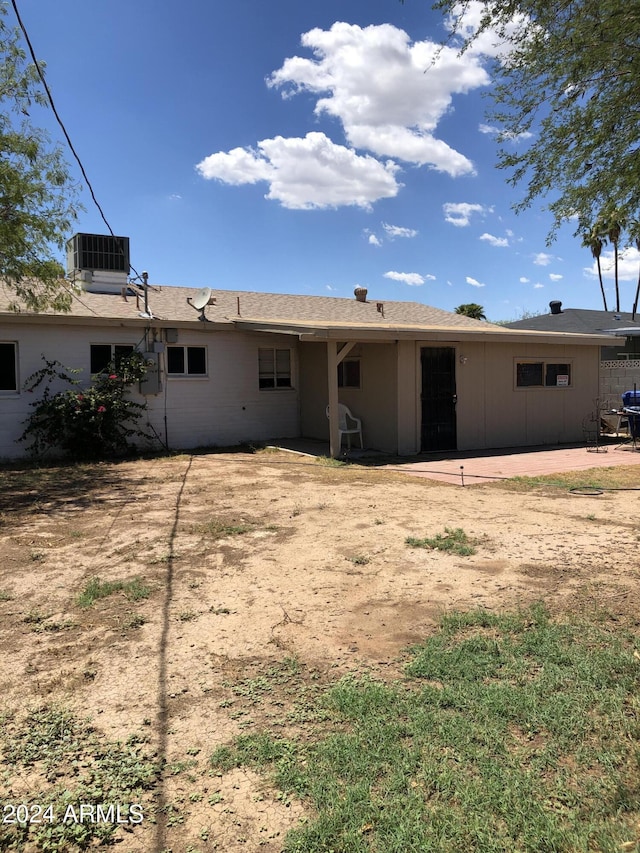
x,y
385,333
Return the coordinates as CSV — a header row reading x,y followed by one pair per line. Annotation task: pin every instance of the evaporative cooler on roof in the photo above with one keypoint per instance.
x,y
98,252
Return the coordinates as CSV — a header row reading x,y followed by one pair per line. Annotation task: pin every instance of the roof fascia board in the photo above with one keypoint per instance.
x,y
134,322
428,335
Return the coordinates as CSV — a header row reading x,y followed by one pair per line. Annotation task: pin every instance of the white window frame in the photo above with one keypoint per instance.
x,y
186,374
274,375
545,362
12,392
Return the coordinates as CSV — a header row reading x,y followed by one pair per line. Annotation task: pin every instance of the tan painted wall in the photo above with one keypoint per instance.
x,y
375,402
224,408
491,412
227,406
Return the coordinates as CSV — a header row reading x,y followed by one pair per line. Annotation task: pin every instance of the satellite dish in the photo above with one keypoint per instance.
x,y
201,299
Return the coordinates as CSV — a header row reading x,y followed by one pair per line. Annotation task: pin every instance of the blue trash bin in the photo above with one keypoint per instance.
x,y
631,408
633,416
630,398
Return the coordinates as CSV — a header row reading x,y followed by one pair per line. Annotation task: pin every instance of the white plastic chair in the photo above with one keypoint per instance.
x,y
344,418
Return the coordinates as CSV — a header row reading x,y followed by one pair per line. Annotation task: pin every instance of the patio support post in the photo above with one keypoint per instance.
x,y
332,385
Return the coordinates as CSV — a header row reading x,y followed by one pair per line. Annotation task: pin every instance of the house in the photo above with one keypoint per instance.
x,y
227,367
619,357
584,321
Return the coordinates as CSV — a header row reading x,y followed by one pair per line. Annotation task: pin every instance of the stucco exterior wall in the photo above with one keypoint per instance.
x,y
375,402
492,412
224,407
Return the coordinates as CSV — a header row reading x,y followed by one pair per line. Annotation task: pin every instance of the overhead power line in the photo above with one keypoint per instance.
x,y
59,120
56,114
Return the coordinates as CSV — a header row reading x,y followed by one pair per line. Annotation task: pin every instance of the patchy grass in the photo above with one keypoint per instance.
x,y
510,732
217,528
453,541
96,589
330,462
68,764
616,477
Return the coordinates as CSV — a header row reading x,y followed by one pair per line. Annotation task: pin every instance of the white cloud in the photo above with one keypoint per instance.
x,y
373,81
397,231
498,242
460,214
488,129
374,241
304,173
537,286
554,276
628,265
413,279
542,259
523,280
474,282
489,43
238,166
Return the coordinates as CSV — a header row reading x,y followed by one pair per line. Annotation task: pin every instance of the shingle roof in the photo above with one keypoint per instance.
x,y
311,317
577,320
170,304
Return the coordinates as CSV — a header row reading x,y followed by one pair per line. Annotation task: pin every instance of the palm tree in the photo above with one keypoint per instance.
x,y
634,233
593,241
471,309
614,229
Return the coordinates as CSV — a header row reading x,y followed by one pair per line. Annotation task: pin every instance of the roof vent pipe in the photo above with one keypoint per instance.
x,y
360,294
555,306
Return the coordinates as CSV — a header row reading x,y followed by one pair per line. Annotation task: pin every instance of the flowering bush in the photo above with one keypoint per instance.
x,y
88,423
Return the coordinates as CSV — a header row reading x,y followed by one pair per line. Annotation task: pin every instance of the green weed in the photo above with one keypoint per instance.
x,y
96,589
219,529
453,541
69,763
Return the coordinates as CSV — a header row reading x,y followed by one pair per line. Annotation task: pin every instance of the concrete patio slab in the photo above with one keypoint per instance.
x,y
484,466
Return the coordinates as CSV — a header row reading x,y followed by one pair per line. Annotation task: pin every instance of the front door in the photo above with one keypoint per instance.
x,y
438,398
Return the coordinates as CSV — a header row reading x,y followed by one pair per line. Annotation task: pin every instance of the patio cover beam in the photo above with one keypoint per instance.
x,y
334,356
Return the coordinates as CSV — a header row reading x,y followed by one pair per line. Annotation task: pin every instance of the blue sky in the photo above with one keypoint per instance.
x,y
300,146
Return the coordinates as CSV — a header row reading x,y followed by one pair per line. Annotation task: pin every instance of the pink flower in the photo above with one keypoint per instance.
x,y
101,409
112,376
80,397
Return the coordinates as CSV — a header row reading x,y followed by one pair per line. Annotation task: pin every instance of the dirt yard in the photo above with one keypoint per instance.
x,y
260,566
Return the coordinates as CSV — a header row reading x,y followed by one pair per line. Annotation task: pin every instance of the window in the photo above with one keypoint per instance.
x,y
542,374
187,361
349,373
274,368
105,355
8,367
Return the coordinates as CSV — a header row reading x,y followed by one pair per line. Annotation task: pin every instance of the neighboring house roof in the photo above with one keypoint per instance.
x,y
578,321
309,317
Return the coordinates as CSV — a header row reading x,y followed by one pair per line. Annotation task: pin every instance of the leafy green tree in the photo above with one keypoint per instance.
x,y
37,195
471,309
567,101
